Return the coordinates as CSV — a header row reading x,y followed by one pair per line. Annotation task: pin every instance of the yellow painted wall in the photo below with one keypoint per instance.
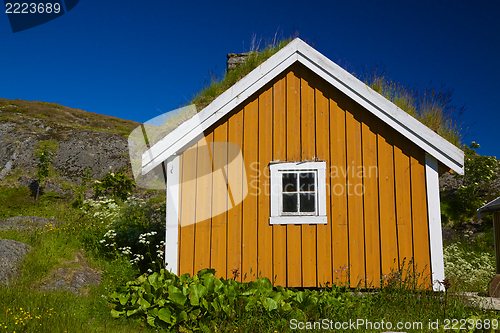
x,y
376,195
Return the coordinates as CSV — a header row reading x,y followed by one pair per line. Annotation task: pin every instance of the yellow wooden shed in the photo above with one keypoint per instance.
x,y
303,174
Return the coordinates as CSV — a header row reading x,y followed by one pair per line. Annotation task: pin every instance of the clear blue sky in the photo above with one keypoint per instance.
x,y
139,59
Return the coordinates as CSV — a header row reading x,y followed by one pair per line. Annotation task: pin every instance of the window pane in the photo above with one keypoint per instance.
x,y
289,182
289,203
307,203
307,181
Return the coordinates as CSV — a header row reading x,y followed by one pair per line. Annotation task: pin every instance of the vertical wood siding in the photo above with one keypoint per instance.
x,y
322,139
218,255
496,230
308,152
279,140
371,200
353,188
376,194
293,153
265,230
338,195
203,205
235,178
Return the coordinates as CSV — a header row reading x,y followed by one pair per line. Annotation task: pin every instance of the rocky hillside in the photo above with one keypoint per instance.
x,y
80,140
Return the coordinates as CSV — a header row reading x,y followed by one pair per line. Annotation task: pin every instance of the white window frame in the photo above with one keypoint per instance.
x,y
276,170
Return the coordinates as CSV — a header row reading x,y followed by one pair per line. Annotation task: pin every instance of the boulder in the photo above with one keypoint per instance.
x,y
12,254
76,277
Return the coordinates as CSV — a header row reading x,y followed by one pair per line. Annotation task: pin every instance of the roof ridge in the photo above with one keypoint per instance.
x,y
299,51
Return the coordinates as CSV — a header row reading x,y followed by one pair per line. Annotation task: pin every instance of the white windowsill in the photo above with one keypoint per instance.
x,y
298,220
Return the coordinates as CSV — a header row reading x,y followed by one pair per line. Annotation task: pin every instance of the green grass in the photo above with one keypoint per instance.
x,y
428,106
51,145
15,201
60,311
26,308
218,86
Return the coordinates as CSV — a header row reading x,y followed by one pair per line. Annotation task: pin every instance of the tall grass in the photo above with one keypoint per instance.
x,y
431,106
469,260
24,305
217,86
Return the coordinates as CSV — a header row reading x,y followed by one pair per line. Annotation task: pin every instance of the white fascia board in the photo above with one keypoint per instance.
x,y
227,101
434,216
297,50
401,121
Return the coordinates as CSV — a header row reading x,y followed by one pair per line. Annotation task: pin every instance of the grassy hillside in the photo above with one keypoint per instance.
x,y
79,140
57,115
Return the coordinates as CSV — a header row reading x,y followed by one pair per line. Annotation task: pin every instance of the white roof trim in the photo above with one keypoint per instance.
x,y
490,207
299,51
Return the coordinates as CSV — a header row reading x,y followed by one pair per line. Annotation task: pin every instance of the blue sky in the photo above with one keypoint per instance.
x,y
139,59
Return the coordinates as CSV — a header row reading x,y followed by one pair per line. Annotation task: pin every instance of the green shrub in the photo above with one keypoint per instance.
x,y
204,302
476,185
98,215
44,160
134,229
114,184
480,172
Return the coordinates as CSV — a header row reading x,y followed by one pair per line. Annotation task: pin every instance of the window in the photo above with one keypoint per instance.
x,y
298,193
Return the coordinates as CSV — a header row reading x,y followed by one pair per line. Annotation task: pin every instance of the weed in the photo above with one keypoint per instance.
x,y
430,106
44,160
